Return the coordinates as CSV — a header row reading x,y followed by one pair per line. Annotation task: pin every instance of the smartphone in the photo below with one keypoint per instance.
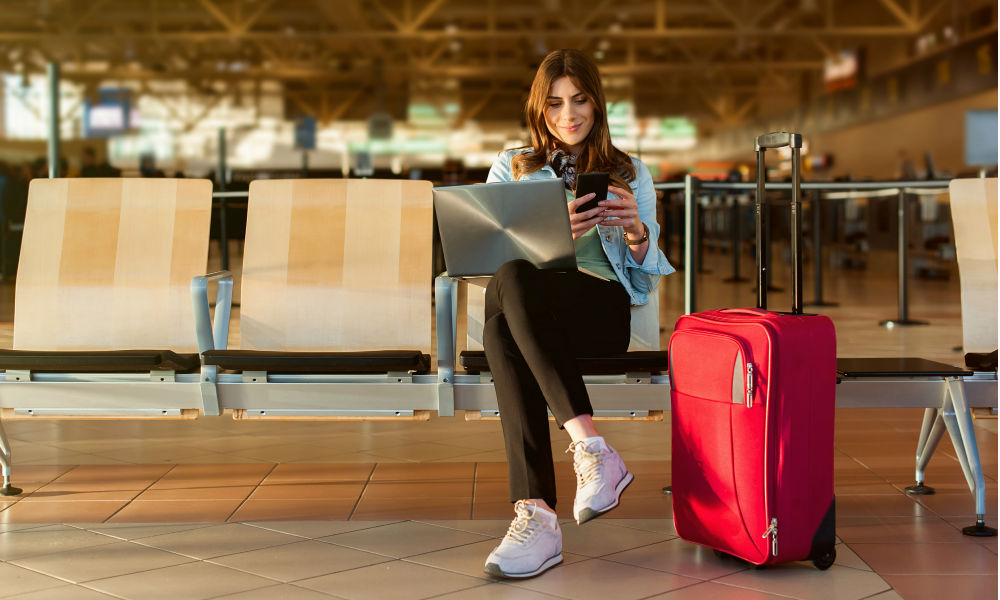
x,y
596,183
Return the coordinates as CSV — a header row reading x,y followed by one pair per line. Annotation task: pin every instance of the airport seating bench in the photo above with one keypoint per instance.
x,y
332,326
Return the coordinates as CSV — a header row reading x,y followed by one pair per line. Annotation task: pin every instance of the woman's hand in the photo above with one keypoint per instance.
x,y
625,209
581,223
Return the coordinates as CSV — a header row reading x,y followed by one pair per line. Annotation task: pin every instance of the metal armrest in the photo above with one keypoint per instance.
x,y
446,312
212,335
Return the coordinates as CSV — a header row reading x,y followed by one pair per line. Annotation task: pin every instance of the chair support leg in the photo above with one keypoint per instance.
x,y
930,434
7,489
968,452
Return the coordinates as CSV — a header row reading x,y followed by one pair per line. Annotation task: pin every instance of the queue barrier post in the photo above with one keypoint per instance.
x,y
818,253
902,263
736,240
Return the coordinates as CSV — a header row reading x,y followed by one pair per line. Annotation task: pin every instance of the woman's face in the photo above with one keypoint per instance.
x,y
569,114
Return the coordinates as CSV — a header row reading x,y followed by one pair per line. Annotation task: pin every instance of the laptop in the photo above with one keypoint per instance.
x,y
486,225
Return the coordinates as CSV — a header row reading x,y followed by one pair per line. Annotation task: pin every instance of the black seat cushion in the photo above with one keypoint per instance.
x,y
981,361
646,361
98,361
896,367
380,361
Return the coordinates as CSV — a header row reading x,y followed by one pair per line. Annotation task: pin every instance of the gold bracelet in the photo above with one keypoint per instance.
x,y
645,236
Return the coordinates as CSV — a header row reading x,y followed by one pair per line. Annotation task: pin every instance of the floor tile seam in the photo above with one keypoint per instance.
x,y
386,556
517,583
891,589
684,587
384,563
61,579
107,593
255,487
640,546
111,541
472,505
189,561
484,535
208,561
144,490
368,481
484,578
199,526
205,558
689,576
228,594
511,584
320,538
115,540
485,583
404,558
349,547
870,568
649,569
769,592
258,526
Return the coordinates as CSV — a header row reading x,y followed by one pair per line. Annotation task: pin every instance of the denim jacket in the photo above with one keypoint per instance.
x,y
638,279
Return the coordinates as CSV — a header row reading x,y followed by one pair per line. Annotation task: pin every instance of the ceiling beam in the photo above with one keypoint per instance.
x,y
425,14
645,33
220,15
901,15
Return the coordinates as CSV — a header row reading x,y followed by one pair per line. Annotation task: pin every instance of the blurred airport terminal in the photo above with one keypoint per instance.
x,y
894,99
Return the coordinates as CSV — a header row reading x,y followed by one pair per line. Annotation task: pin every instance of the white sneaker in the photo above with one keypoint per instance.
x,y
601,477
532,545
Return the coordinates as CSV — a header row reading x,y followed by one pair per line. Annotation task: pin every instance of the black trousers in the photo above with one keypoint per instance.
x,y
537,322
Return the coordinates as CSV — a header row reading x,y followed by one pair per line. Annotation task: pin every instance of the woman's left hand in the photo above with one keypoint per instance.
x,y
625,209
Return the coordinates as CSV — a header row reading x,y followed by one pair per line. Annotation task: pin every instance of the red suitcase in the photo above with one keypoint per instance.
x,y
752,400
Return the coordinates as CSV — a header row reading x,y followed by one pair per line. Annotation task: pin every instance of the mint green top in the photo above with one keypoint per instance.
x,y
590,253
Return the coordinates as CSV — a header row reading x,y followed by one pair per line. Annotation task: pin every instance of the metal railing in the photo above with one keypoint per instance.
x,y
692,187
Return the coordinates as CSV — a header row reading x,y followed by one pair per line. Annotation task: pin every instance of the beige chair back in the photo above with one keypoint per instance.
x,y
107,264
337,265
974,216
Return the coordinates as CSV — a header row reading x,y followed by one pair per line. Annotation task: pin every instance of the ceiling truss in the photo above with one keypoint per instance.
x,y
708,58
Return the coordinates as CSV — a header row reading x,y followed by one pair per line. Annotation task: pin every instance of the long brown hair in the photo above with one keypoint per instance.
x,y
598,153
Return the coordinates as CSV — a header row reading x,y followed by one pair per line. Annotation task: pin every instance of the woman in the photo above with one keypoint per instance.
x,y
538,322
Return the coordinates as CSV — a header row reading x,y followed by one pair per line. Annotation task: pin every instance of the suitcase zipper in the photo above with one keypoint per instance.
x,y
772,531
744,353
768,331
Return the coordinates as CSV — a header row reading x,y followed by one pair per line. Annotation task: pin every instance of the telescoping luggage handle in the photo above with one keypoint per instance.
x,y
779,139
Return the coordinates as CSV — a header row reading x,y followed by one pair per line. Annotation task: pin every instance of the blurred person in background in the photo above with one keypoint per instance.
x,y
147,166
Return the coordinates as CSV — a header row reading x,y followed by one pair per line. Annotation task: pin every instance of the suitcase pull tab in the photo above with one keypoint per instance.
x,y
773,532
749,385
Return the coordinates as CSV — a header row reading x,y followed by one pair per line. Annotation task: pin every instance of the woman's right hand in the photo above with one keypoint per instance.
x,y
581,223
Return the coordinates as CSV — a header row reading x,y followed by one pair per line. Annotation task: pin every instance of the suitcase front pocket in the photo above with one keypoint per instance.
x,y
711,365
708,479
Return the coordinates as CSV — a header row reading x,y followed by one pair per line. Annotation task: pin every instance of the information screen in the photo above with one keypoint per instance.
x,y
980,138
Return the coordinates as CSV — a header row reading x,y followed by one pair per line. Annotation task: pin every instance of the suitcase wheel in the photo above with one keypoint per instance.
x,y
825,561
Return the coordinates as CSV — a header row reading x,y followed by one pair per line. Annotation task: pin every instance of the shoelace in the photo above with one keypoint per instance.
x,y
523,528
587,464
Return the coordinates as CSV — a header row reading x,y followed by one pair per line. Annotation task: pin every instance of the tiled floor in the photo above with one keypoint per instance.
x,y
220,509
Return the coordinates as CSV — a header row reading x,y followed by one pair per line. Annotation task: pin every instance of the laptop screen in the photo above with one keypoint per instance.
x,y
486,225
